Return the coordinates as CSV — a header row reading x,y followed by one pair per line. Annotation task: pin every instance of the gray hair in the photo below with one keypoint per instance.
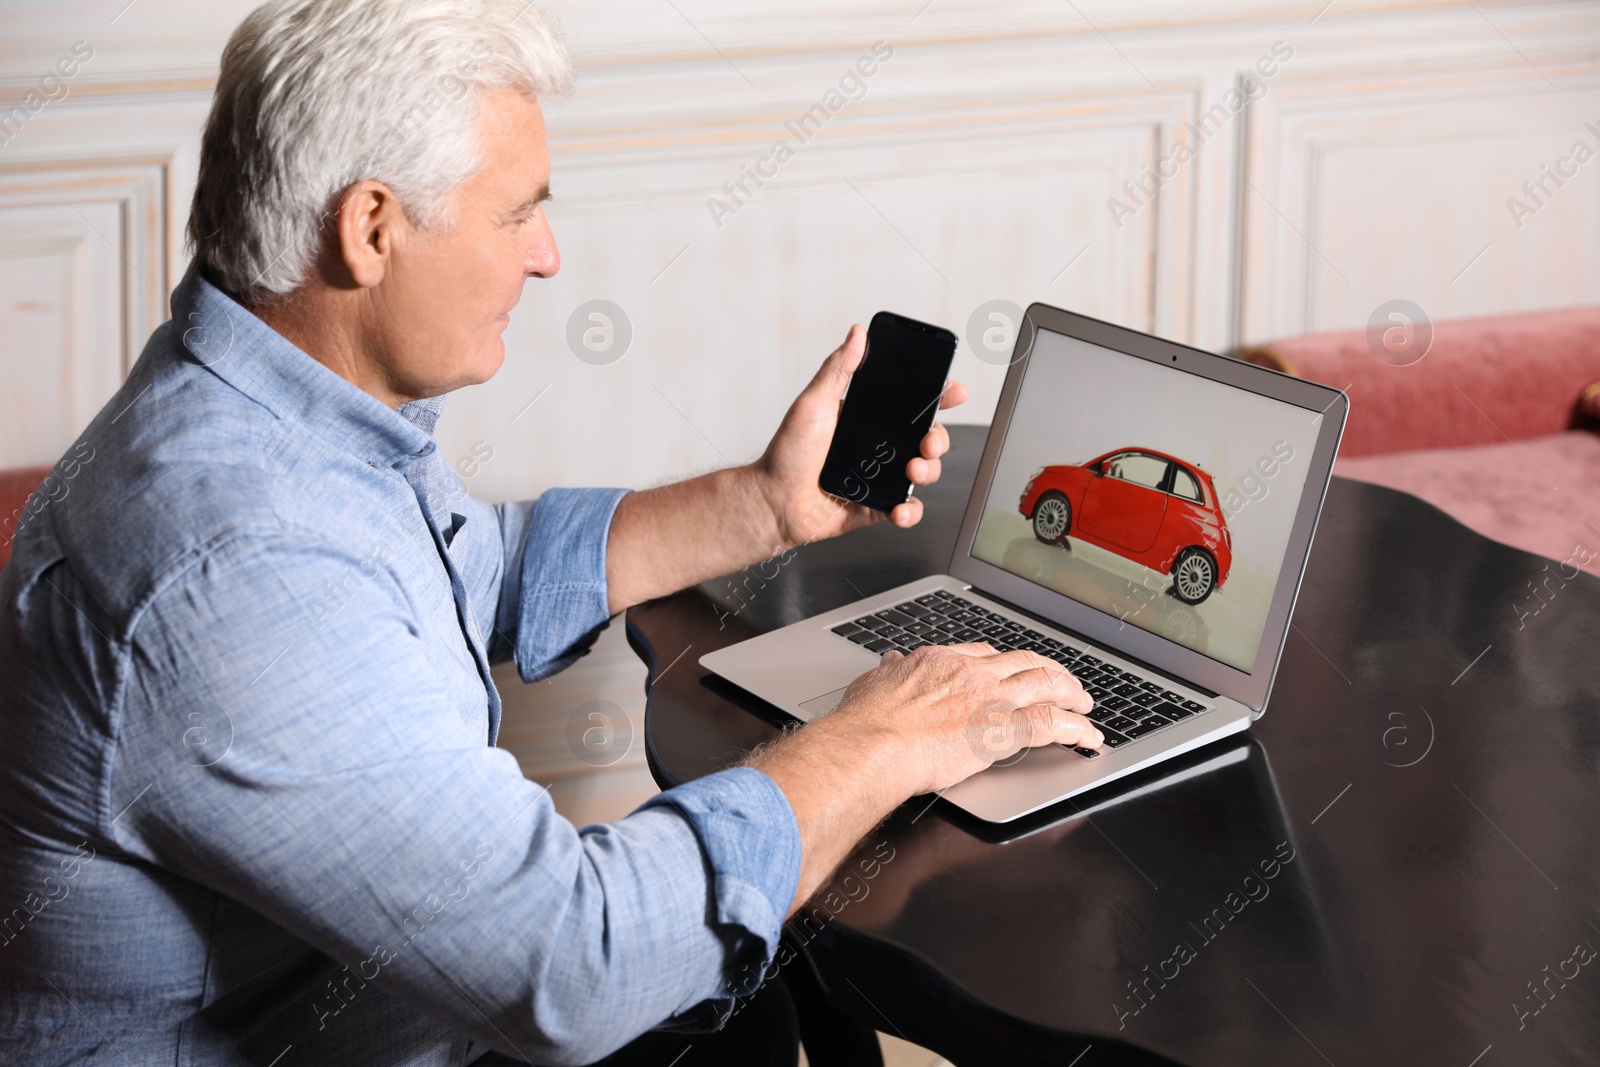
x,y
316,95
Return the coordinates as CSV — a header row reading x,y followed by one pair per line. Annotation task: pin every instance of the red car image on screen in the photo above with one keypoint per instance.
x,y
1149,507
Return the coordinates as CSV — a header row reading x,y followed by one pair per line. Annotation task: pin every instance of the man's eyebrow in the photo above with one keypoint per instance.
x,y
534,201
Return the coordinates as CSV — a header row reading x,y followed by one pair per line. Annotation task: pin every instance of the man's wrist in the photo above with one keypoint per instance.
x,y
833,752
760,505
875,753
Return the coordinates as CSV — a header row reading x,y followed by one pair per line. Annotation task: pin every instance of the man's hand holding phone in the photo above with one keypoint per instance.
x,y
788,473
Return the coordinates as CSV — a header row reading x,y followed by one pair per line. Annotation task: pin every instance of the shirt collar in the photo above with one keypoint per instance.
x,y
219,334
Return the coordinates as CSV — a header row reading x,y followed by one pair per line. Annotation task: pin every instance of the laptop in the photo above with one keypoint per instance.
x,y
1142,515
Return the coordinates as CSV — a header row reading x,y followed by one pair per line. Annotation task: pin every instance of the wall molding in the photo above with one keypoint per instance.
x,y
140,188
802,32
1312,119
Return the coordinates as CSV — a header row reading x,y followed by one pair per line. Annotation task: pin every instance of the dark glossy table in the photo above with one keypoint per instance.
x,y
1424,792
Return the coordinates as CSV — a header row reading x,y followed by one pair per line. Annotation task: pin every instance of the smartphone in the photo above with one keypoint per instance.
x,y
893,397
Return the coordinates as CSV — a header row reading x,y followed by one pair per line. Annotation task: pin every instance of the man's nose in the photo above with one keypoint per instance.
x,y
542,258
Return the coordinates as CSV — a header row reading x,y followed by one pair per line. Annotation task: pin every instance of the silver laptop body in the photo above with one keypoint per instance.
x,y
1156,551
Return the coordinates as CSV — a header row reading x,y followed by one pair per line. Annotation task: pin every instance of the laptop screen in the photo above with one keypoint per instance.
x,y
1158,497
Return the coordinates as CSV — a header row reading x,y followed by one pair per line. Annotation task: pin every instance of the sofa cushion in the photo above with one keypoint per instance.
x,y
1536,495
1482,381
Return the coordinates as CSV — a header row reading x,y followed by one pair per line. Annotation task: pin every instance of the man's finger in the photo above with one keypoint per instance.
x,y
907,514
854,347
1035,679
954,393
923,471
833,377
1043,724
936,442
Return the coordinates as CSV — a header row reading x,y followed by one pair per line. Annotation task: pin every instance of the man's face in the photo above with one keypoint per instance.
x,y
446,297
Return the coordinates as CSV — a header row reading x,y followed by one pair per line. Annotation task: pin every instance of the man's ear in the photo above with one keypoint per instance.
x,y
369,223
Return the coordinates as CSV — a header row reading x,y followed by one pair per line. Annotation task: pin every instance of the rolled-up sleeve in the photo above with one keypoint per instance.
x,y
552,599
340,794
752,846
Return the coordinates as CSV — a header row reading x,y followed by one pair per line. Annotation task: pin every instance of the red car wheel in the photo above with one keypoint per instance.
x,y
1194,575
1052,518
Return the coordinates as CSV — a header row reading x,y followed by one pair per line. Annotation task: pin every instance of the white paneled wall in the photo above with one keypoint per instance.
x,y
980,160
1372,184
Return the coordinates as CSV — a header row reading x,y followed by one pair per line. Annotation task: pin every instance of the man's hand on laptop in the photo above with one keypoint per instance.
x,y
917,723
952,710
670,537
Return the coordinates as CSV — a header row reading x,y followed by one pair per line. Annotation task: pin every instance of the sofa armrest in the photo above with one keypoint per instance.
x,y
1482,381
16,486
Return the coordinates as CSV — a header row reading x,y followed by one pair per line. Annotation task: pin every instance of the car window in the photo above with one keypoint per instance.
x,y
1184,485
1138,468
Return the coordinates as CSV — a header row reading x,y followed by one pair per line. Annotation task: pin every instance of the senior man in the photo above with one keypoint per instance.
x,y
251,810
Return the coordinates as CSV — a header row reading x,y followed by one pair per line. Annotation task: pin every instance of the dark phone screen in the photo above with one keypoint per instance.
x,y
892,400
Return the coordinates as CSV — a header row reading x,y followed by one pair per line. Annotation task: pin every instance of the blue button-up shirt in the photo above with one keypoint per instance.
x,y
250,803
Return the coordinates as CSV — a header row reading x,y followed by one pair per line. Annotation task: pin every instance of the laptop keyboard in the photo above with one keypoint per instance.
x,y
1127,707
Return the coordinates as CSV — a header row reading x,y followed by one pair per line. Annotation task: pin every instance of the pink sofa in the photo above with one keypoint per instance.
x,y
1496,425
